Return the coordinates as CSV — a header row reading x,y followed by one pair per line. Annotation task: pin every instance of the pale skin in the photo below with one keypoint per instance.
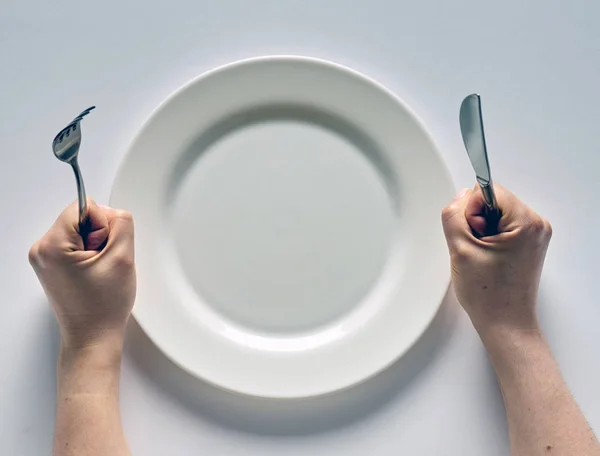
x,y
91,287
496,281
91,290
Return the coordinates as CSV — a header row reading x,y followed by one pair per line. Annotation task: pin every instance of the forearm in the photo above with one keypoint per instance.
x,y
87,417
542,415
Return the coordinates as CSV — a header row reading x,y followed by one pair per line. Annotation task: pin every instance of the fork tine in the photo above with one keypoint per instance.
x,y
61,134
65,132
58,136
72,124
83,113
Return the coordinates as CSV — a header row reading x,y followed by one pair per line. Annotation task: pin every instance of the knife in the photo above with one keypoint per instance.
x,y
471,127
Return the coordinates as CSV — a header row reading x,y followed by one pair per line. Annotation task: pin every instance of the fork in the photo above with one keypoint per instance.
x,y
66,148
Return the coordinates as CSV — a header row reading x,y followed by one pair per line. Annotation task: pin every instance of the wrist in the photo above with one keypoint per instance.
x,y
495,322
92,340
507,337
510,348
89,374
91,370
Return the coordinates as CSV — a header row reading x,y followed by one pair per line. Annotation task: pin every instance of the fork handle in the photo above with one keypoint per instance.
x,y
82,200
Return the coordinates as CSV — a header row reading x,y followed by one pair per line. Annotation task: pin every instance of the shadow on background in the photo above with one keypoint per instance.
x,y
32,389
291,417
48,335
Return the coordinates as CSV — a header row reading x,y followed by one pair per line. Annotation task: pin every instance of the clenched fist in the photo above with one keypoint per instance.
x,y
496,278
91,285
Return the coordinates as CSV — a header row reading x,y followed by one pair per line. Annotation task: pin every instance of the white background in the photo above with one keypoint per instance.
x,y
536,64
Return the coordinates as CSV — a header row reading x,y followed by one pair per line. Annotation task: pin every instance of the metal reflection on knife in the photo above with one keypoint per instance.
x,y
471,127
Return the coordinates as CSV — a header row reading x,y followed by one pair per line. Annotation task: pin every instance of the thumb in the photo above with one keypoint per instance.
x,y
96,232
93,234
512,212
120,231
453,217
478,216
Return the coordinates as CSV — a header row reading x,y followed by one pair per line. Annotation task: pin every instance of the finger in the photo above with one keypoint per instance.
x,y
68,220
514,211
476,213
97,227
64,233
453,218
121,232
63,240
67,229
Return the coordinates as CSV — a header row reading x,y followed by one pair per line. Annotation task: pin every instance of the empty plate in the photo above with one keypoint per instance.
x,y
288,235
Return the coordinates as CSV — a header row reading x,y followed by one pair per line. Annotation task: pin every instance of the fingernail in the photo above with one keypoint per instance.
x,y
462,193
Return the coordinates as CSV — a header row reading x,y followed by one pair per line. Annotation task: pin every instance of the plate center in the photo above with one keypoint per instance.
x,y
281,226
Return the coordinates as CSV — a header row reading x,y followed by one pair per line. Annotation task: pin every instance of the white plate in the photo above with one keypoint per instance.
x,y
288,234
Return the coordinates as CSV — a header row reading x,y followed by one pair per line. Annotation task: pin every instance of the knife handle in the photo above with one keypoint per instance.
x,y
492,213
489,195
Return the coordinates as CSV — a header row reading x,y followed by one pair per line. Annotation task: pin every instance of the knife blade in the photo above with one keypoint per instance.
x,y
471,127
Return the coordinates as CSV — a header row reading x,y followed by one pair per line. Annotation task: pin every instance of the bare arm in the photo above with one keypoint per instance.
x,y
87,415
91,289
543,417
496,279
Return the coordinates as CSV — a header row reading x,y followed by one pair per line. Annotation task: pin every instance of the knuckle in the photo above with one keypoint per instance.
x,y
44,248
125,215
460,252
448,212
547,228
537,228
123,260
536,225
33,254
